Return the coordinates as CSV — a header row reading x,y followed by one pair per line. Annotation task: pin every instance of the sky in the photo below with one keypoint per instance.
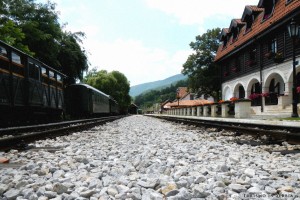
x,y
146,40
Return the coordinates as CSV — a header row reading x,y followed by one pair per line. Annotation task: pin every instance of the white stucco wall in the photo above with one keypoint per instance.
x,y
281,72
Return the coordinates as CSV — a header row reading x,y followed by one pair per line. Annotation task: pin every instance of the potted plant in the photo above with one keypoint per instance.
x,y
278,57
298,89
254,96
269,54
266,94
233,99
251,62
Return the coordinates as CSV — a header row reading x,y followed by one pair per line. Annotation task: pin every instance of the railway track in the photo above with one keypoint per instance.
x,y
19,137
274,133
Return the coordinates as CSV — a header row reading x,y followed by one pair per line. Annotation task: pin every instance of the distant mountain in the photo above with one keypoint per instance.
x,y
139,89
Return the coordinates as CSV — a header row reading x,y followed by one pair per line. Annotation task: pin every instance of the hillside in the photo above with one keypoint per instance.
x,y
138,89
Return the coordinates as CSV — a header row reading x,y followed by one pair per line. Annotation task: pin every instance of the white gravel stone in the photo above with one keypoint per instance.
x,y
12,194
112,191
250,172
60,188
139,157
237,188
3,188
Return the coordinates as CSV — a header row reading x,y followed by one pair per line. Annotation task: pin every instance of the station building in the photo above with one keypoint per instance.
x,y
256,57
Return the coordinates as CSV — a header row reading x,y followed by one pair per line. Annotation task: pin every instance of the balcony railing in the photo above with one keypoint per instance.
x,y
256,101
271,99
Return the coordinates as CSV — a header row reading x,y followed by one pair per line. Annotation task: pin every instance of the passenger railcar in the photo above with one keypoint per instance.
x,y
114,106
28,87
84,101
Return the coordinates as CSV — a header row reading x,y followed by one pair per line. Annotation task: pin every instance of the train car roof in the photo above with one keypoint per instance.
x,y
90,87
19,51
112,98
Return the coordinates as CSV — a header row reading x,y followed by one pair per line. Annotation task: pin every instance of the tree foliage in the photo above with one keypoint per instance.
x,y
113,83
147,99
34,28
203,74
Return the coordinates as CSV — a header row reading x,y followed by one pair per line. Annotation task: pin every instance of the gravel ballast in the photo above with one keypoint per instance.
x,y
140,157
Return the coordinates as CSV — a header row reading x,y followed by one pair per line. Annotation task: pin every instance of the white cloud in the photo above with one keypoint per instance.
x,y
196,11
139,63
132,57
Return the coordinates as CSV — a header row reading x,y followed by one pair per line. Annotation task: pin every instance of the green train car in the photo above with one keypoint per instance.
x,y
84,101
28,88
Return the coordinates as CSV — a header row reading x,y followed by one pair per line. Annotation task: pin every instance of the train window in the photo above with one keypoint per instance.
x,y
51,74
17,67
59,78
34,71
16,58
44,71
4,62
44,75
3,52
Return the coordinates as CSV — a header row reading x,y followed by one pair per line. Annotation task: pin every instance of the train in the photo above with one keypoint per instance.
x,y
83,100
30,90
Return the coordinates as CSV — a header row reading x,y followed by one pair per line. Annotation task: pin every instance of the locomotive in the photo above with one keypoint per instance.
x,y
30,89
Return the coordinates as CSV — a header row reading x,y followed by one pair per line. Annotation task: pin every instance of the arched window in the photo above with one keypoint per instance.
x,y
298,79
241,92
256,88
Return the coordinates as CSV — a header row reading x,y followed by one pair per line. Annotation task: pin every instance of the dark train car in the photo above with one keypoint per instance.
x,y
28,88
83,101
114,106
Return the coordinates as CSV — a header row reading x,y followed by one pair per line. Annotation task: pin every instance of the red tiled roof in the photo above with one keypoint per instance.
x,y
258,26
255,8
239,21
189,103
181,92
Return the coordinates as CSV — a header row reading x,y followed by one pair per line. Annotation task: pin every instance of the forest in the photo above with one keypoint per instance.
x,y
147,99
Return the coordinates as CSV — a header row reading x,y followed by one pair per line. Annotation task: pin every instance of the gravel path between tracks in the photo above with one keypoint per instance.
x,y
139,157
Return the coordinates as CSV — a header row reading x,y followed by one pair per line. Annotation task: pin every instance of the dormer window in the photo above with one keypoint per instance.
x,y
224,37
224,42
234,28
249,22
268,5
235,33
249,15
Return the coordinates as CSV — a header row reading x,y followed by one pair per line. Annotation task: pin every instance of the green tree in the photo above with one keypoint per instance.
x,y
71,57
202,72
13,36
114,84
34,28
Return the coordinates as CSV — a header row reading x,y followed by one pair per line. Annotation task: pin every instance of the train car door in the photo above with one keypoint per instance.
x,y
35,86
5,97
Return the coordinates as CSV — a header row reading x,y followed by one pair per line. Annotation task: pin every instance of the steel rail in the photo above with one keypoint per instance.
x,y
24,129
273,132
16,141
